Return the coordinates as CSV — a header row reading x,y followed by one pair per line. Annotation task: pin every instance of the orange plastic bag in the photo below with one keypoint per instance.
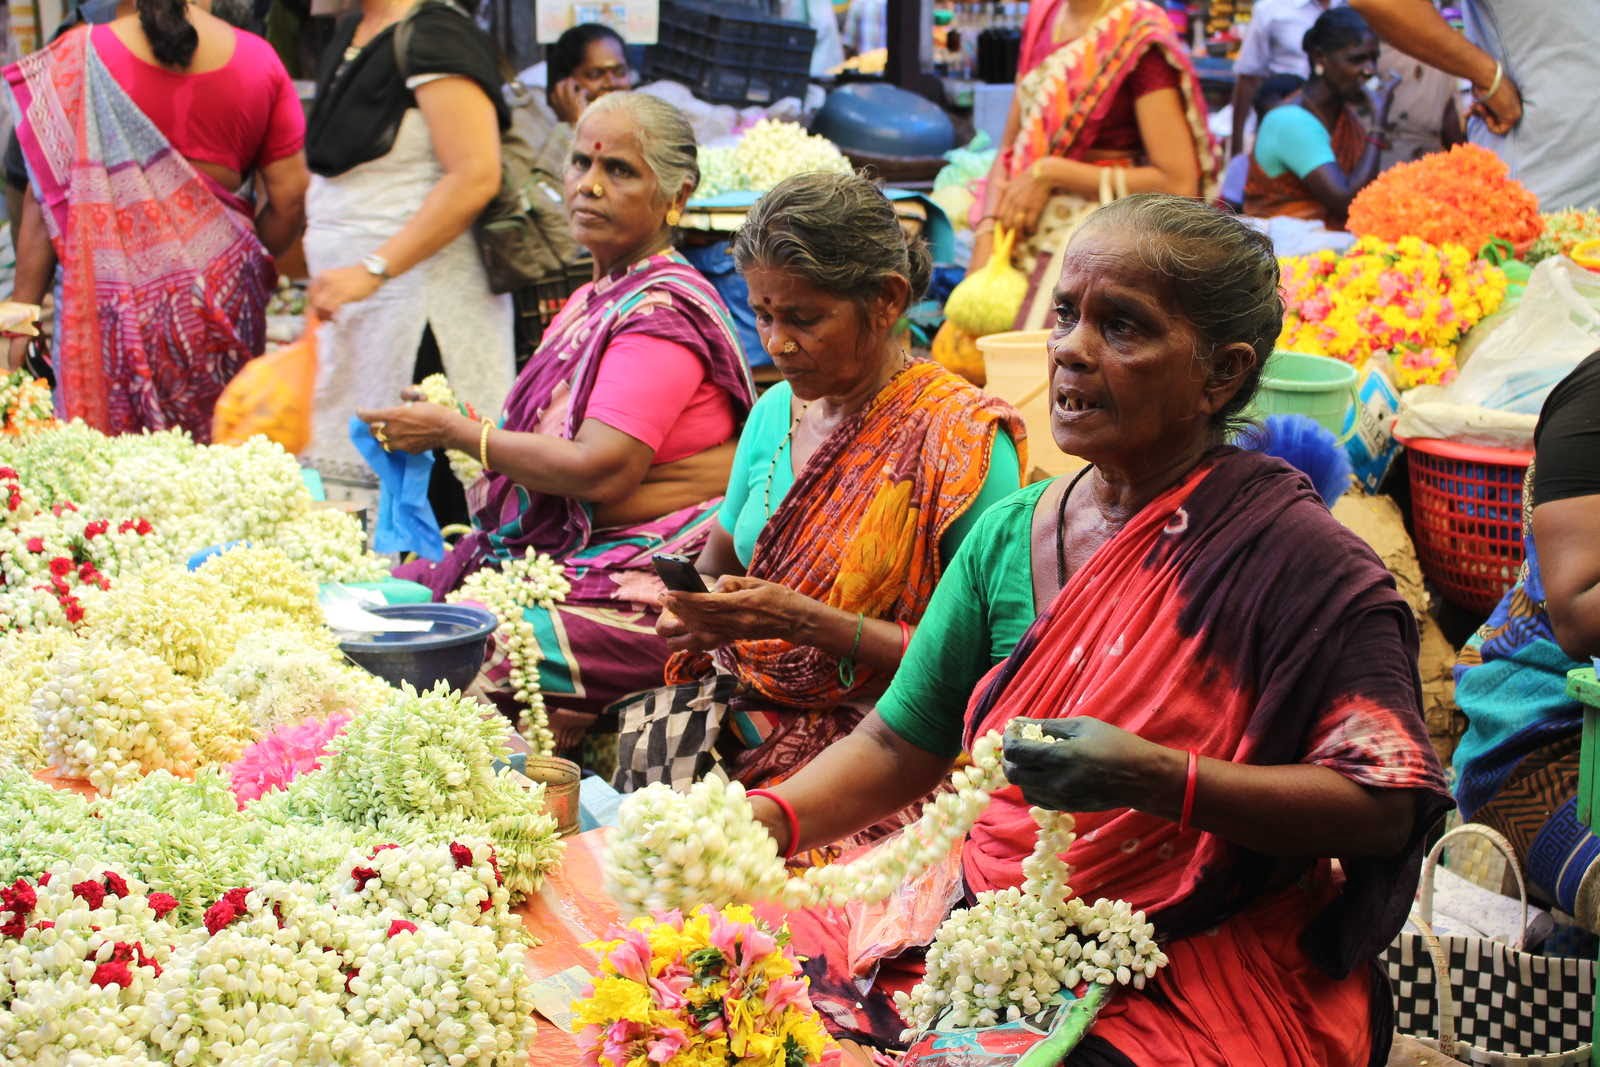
x,y
271,395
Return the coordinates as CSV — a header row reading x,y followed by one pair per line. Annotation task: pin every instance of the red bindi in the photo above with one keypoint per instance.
x,y
598,146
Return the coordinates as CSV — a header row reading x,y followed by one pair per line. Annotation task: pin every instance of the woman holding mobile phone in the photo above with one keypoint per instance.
x,y
856,479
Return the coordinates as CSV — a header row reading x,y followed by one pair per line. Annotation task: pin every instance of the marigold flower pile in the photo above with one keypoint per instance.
x,y
709,989
1407,302
1465,196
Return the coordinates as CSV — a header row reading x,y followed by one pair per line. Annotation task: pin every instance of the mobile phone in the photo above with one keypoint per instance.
x,y
678,574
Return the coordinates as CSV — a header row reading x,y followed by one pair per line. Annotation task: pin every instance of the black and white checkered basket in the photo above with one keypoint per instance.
x,y
1497,1005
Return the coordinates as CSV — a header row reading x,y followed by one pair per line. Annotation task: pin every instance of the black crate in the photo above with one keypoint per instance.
x,y
731,55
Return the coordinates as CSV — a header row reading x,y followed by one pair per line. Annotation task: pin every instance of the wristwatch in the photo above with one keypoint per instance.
x,y
376,266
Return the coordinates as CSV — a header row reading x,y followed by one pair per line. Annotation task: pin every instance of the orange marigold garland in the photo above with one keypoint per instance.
x,y
1465,196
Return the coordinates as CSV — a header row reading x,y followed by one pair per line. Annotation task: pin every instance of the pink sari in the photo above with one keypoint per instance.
x,y
164,286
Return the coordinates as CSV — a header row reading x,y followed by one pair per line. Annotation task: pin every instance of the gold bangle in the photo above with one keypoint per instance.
x,y
483,443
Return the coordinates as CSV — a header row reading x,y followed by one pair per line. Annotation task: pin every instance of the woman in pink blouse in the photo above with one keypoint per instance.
x,y
144,138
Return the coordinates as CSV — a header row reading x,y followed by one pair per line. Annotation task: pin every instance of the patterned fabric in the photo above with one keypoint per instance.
x,y
1506,1001
1517,764
859,531
1189,628
1061,98
670,734
164,288
662,296
1064,101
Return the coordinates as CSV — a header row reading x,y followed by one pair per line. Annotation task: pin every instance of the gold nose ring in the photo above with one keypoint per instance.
x,y
789,348
598,191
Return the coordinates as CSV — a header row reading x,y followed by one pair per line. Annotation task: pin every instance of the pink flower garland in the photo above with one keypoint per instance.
x,y
282,756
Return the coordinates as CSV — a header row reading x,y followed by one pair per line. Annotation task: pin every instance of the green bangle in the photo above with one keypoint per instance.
x,y
847,666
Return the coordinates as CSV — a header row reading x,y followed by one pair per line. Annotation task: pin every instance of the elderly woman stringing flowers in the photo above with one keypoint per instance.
x,y
1227,675
617,438
857,478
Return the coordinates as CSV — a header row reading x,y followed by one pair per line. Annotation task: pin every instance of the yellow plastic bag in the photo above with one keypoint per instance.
x,y
956,350
271,395
988,301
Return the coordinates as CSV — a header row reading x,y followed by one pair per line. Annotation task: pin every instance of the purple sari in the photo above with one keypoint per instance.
x,y
600,643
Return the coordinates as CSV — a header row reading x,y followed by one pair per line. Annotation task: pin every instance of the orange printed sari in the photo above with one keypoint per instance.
x,y
859,531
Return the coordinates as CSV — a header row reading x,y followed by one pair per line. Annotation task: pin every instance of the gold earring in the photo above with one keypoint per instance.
x,y
598,191
673,217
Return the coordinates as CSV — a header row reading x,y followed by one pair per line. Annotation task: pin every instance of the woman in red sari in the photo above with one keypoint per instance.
x,y
1107,104
1205,619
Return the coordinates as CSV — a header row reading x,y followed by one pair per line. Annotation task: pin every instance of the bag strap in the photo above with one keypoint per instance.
x,y
1424,907
1444,996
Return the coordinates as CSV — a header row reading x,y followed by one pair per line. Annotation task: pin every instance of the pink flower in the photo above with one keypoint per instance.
x,y
669,991
619,1038
666,1045
785,993
631,957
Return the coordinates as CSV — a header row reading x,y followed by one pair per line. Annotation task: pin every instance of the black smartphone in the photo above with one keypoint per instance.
x,y
678,574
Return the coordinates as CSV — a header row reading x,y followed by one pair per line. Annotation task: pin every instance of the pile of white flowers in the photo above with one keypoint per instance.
x,y
102,967
193,496
1002,958
534,581
114,714
426,759
767,153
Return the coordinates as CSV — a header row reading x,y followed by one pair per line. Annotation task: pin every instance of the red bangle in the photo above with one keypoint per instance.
x,y
905,637
1190,781
789,816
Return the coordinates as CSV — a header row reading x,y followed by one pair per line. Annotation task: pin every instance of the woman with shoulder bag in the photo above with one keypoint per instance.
x,y
405,155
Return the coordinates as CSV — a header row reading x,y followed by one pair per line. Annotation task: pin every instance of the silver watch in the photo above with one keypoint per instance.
x,y
376,266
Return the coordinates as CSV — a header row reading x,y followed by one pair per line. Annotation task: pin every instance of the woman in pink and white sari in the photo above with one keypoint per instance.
x,y
142,138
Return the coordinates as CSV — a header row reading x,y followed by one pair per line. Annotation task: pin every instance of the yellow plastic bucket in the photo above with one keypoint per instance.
x,y
1297,383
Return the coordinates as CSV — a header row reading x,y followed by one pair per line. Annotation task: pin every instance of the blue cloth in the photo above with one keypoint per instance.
x,y
215,550
715,261
405,518
1292,138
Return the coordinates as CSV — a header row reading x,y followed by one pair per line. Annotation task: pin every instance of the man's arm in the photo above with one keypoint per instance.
x,y
1417,29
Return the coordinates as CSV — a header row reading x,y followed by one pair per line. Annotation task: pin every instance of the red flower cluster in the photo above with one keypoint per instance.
x,y
224,911
117,970
161,903
461,854
362,875
18,901
401,926
94,892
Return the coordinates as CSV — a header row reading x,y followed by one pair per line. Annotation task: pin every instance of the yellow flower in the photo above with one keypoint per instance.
x,y
613,999
807,1031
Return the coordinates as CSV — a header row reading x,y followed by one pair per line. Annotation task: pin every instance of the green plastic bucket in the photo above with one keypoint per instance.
x,y
1295,383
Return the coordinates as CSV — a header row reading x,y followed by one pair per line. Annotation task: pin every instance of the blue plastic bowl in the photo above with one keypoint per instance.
x,y
882,120
452,652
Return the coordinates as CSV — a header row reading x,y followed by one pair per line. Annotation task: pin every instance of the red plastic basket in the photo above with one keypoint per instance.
x,y
1466,516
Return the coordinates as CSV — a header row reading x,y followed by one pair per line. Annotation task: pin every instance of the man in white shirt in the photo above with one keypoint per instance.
x,y
1271,45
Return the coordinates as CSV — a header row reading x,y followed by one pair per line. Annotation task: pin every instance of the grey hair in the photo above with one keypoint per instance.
x,y
1223,274
837,231
666,140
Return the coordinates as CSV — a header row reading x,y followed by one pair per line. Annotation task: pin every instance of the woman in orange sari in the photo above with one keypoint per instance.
x,y
855,480
1107,104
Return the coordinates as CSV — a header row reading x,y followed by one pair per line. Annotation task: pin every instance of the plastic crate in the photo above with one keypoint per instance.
x,y
731,55
1466,517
